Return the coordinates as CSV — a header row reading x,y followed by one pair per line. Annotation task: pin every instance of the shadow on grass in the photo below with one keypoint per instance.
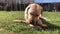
x,y
50,26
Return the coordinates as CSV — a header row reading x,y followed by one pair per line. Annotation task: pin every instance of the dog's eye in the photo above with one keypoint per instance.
x,y
34,14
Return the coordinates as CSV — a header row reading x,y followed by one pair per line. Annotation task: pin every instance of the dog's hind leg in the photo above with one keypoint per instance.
x,y
42,24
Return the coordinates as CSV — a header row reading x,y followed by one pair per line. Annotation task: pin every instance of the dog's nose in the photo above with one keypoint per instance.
x,y
32,21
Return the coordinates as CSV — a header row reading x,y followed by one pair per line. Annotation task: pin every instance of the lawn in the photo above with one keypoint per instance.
x,y
7,26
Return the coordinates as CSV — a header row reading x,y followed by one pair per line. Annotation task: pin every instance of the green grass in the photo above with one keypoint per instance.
x,y
7,26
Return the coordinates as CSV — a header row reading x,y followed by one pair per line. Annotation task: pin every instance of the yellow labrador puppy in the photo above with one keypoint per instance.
x,y
33,13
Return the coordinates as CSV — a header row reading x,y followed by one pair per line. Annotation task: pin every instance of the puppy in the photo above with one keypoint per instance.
x,y
33,13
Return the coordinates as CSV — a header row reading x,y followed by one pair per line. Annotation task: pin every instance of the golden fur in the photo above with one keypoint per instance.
x,y
33,13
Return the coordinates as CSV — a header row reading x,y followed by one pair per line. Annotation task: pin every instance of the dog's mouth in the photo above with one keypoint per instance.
x,y
33,22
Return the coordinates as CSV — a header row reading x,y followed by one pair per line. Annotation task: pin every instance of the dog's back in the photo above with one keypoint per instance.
x,y
35,9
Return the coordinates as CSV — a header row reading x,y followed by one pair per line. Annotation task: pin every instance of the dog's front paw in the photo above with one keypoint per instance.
x,y
17,21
